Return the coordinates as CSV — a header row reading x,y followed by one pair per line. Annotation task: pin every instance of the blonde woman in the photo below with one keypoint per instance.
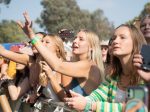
x,y
111,95
87,69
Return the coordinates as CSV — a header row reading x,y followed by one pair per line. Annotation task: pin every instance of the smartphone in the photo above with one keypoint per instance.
x,y
66,91
145,52
138,93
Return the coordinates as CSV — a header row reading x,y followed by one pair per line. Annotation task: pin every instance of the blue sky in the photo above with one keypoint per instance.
x,y
117,11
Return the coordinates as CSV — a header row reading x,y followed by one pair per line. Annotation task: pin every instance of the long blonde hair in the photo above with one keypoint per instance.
x,y
95,54
59,44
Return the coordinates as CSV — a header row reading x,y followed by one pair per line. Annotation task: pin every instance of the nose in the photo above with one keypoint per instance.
x,y
75,40
147,26
115,41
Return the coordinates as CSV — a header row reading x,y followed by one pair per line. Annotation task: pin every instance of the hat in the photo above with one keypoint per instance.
x,y
104,42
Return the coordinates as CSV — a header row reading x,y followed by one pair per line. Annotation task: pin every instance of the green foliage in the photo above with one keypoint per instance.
x,y
6,2
145,11
10,32
58,14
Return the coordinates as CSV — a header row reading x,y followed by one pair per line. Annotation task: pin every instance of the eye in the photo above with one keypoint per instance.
x,y
113,38
122,37
47,42
143,25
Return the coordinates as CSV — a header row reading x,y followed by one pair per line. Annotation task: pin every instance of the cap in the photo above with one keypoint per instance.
x,y
104,42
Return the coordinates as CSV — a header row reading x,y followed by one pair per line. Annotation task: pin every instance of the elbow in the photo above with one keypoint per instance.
x,y
13,97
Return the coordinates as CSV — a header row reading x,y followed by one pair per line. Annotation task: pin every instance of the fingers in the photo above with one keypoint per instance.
x,y
137,60
27,18
69,101
20,24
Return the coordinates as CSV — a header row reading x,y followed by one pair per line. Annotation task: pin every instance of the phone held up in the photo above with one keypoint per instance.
x,y
137,94
145,52
67,92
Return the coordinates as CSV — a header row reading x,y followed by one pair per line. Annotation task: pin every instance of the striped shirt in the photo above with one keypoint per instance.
x,y
104,96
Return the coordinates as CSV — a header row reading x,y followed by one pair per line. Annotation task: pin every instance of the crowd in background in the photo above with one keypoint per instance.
x,y
79,71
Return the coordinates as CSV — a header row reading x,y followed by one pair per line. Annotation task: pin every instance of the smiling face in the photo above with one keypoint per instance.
x,y
122,43
80,44
145,27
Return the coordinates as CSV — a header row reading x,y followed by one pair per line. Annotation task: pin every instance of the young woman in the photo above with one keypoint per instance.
x,y
138,59
87,69
110,96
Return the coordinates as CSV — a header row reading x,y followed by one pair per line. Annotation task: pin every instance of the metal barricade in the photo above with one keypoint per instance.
x,y
49,105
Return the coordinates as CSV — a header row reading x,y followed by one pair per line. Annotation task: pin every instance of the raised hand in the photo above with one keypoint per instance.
x,y
137,62
26,27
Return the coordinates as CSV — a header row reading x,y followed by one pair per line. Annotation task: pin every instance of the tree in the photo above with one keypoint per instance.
x,y
58,14
137,19
10,32
6,2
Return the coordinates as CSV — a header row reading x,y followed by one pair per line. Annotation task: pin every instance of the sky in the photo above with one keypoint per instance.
x,y
117,11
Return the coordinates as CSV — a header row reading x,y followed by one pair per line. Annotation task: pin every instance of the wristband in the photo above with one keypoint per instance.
x,y
35,40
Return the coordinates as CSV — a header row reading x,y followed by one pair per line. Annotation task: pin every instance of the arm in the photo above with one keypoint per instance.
x,y
5,104
76,69
4,68
52,76
97,100
21,89
137,62
20,58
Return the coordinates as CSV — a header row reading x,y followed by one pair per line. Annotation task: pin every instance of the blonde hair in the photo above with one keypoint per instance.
x,y
60,52
95,54
59,44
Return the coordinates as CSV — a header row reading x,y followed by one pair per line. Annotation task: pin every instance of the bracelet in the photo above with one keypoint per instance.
x,y
35,40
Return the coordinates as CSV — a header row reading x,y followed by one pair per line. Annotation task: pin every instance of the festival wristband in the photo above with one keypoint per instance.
x,y
35,40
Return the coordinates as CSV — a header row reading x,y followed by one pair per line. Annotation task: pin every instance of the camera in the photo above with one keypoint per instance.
x,y
145,52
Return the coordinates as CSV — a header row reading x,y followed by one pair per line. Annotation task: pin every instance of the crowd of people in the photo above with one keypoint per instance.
x,y
91,75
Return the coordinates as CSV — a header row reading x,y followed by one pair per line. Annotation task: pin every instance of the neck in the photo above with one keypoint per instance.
x,y
126,65
83,57
148,41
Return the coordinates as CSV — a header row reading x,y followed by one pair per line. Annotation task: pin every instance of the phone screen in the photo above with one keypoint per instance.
x,y
145,52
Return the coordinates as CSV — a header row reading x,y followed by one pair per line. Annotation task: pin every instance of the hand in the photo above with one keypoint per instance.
x,y
27,26
77,101
1,48
137,62
46,68
31,98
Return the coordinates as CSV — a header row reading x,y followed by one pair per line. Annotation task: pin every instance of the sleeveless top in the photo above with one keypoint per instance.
x,y
75,86
121,96
49,92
